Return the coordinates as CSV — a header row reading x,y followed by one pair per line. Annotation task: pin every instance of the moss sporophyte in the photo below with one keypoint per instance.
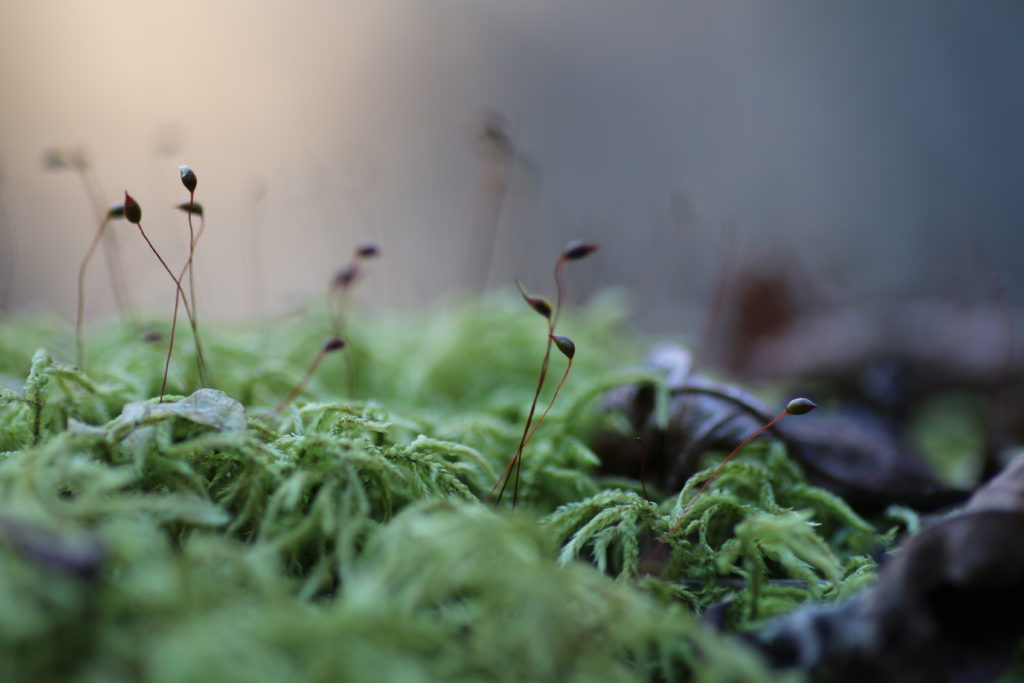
x,y
329,533
161,526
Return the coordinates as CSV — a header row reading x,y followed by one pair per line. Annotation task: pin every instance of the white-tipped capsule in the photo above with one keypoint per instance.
x,y
188,178
575,250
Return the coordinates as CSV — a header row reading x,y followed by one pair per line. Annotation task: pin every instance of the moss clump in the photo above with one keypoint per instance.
x,y
345,540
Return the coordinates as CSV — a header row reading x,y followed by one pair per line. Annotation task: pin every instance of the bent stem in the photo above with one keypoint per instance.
x,y
517,460
338,302
167,363
193,240
79,342
798,406
174,320
115,269
572,252
554,396
333,344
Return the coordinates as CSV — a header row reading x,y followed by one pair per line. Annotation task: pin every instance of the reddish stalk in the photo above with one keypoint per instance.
x,y
573,251
188,179
115,268
332,344
133,214
566,346
798,406
77,161
339,289
497,152
517,459
116,211
543,307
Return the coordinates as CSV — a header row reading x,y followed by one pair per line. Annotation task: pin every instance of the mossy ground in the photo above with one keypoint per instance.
x,y
345,539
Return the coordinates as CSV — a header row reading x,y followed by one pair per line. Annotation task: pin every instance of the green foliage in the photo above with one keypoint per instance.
x,y
206,539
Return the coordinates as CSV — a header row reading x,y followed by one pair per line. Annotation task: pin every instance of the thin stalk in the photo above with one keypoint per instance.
x,y
333,344
301,385
558,388
725,462
79,342
191,252
497,151
798,406
112,253
527,434
193,239
516,460
337,303
174,321
170,349
572,252
560,289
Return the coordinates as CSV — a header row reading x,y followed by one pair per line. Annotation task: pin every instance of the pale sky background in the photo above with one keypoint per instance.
x,y
877,144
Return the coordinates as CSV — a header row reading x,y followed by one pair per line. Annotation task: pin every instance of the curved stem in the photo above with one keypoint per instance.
x,y
297,389
180,294
170,348
516,460
558,388
725,462
115,269
79,342
191,252
561,292
193,239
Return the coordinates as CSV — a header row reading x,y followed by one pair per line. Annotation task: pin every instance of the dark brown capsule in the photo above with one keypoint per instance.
x,y
132,210
564,345
576,250
334,344
539,304
346,276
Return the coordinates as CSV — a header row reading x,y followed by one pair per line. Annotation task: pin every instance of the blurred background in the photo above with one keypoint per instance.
x,y
855,150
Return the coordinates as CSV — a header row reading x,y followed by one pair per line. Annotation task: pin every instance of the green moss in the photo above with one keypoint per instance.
x,y
345,539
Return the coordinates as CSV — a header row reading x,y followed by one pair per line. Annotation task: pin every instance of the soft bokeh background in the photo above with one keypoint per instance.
x,y
870,148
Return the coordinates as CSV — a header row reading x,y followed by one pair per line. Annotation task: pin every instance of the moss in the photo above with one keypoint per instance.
x,y
202,539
